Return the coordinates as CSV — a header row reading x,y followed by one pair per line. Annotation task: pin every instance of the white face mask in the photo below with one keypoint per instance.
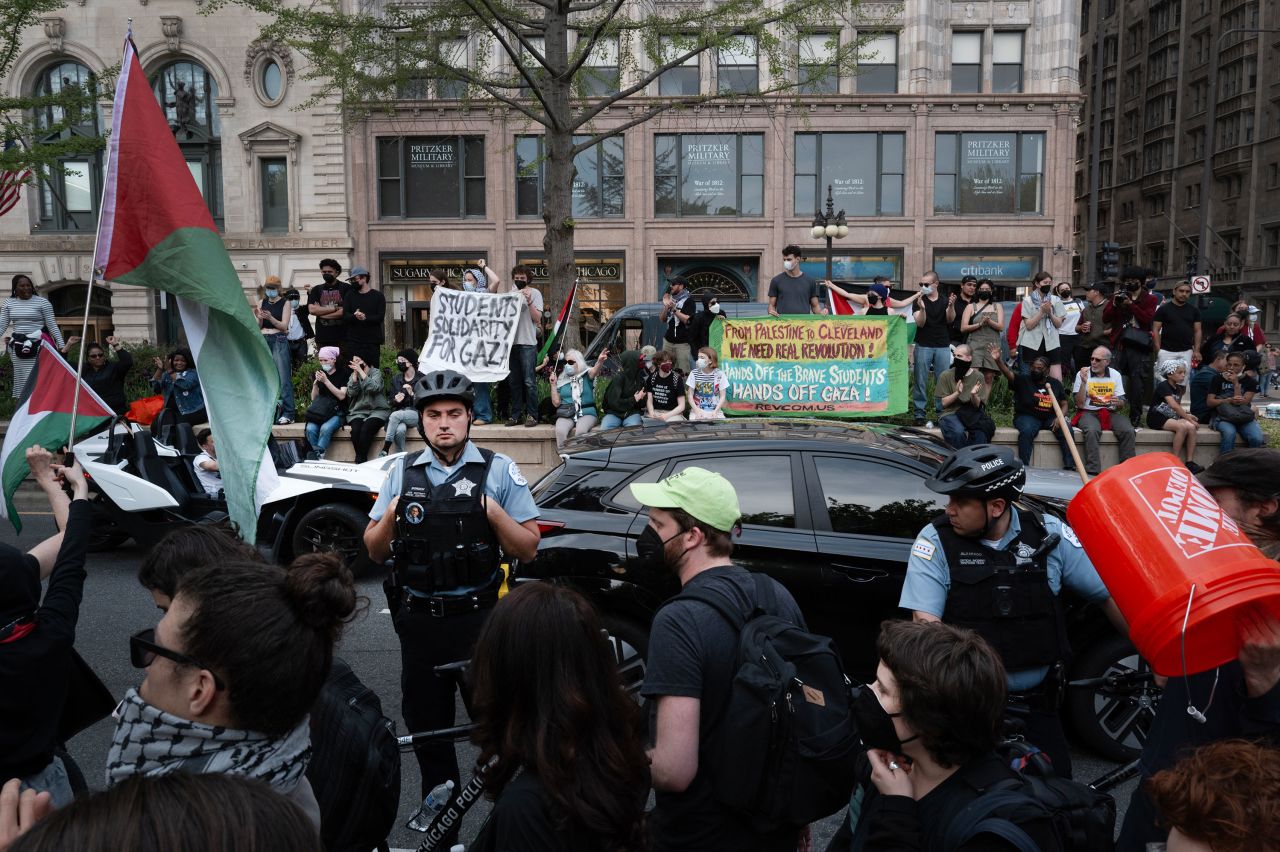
x,y
788,265
568,370
715,309
702,363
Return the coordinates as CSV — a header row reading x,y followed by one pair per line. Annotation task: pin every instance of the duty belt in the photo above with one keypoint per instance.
x,y
440,606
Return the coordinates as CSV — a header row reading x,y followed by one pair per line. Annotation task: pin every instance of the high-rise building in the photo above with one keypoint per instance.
x,y
1166,68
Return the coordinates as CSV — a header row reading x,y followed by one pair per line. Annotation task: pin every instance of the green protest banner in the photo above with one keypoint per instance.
x,y
821,365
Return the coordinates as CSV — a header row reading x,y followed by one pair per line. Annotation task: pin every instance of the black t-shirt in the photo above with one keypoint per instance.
x,y
276,309
1220,387
374,306
329,332
521,822
1029,397
666,391
934,333
1177,329
953,327
693,653
793,294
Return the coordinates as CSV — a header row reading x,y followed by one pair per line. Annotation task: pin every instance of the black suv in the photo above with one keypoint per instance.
x,y
829,510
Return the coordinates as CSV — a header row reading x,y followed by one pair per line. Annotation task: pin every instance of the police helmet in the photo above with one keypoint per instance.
x,y
443,385
983,470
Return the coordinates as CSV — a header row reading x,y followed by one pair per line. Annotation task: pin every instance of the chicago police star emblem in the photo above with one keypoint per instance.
x,y
462,488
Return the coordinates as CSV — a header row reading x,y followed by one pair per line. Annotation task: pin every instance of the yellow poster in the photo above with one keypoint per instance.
x,y
1101,391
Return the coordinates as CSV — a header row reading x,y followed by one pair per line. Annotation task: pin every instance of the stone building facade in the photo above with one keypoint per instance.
x,y
952,150
275,177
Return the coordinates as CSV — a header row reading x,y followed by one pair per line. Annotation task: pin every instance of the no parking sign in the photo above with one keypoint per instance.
x,y
1200,284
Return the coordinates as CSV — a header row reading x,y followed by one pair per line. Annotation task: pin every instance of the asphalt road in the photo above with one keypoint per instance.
x,y
115,606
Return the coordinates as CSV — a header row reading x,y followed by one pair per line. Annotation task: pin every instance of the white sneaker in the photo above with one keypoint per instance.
x,y
928,424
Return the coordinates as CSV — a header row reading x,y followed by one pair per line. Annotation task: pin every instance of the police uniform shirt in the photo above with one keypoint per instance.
x,y
505,483
928,578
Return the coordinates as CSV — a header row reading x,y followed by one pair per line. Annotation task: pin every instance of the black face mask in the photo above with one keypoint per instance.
x,y
1038,376
875,726
873,299
960,366
651,549
1044,288
520,285
329,278
984,295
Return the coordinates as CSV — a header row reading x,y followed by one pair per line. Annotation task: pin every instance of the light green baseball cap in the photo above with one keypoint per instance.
x,y
705,495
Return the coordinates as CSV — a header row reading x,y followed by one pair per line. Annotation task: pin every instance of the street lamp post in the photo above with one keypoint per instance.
x,y
829,225
1210,138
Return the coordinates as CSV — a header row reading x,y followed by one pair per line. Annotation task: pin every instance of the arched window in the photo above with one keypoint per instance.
x,y
69,196
188,95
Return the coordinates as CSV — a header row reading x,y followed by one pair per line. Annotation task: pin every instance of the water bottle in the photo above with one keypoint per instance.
x,y
435,802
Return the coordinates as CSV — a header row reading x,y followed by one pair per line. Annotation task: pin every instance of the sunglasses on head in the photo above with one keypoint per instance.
x,y
143,651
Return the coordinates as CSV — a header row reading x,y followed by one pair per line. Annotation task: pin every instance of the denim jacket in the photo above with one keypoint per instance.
x,y
185,390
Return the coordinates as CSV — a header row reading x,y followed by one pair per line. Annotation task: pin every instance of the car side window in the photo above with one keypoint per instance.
x,y
865,497
587,493
763,484
623,499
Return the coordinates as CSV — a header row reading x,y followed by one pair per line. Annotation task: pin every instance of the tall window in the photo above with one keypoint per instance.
x,y
599,74
531,65
188,96
1006,62
274,180
966,62
737,66
69,194
816,53
988,173
683,78
431,177
878,65
455,52
597,184
708,174
864,171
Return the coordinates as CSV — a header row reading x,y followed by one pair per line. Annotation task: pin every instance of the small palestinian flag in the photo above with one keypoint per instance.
x,y
44,418
840,306
562,320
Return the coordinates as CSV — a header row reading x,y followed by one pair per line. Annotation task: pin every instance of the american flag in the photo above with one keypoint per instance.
x,y
11,184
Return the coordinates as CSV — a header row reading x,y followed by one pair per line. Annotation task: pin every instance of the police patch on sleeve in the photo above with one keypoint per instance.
x,y
923,549
1070,535
513,470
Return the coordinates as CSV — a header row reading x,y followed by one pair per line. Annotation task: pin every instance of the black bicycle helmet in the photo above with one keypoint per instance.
x,y
443,384
983,470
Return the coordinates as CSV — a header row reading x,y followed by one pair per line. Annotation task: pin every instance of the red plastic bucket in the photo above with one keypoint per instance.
x,y
1152,531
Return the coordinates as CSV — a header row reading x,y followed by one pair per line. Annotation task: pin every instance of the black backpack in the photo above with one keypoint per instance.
x,y
784,748
1083,819
355,764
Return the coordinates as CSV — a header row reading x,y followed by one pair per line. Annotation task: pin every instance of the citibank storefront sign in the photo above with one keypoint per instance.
x,y
953,266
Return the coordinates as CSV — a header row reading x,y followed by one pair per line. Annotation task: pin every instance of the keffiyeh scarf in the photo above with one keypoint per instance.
x,y
149,741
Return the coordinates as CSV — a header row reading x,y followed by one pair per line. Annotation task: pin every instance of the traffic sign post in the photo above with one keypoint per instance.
x,y
1200,284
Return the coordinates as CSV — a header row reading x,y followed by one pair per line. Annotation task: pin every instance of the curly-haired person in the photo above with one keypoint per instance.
x,y
1224,797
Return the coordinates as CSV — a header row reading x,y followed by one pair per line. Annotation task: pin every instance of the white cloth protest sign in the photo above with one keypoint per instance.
x,y
472,333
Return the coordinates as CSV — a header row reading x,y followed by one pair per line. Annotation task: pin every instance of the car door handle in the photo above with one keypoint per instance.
x,y
859,574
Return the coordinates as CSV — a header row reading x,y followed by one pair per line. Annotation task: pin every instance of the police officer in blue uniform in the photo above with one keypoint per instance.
x,y
447,516
992,567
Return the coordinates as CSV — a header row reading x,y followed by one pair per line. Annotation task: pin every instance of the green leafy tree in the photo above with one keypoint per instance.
x,y
547,65
45,125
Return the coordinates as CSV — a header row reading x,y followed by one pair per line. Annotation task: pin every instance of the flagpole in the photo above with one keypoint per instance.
x,y
95,273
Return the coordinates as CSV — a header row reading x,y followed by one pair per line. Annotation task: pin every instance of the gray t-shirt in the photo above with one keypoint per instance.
x,y
526,334
793,294
693,653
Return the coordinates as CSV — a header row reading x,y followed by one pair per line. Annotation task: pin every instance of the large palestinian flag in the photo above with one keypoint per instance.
x,y
156,232
44,418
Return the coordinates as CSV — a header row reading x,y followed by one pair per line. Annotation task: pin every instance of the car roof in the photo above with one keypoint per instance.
x,y
749,433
